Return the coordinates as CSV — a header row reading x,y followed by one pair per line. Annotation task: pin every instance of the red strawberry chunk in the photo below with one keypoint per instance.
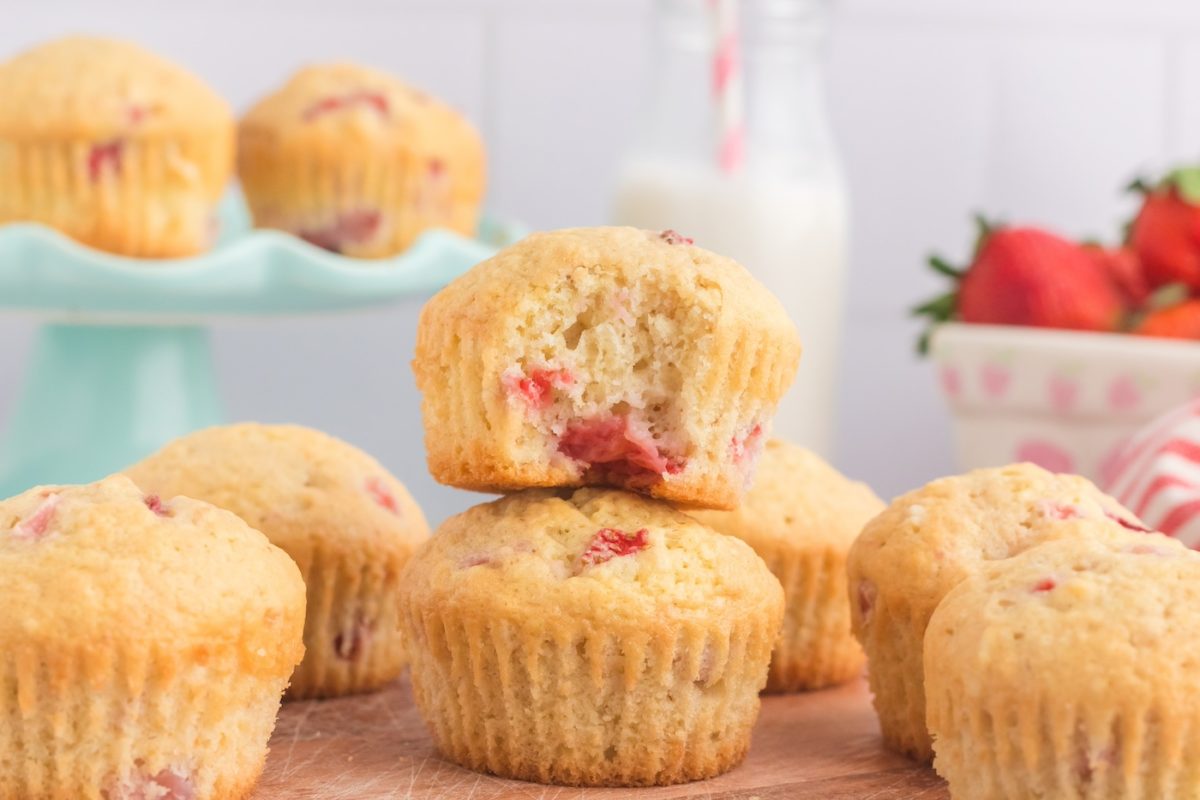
x,y
155,504
37,524
1126,523
537,389
381,495
674,237
353,227
137,114
610,543
178,787
168,784
476,560
326,105
1045,585
745,444
350,644
104,157
613,449
1060,510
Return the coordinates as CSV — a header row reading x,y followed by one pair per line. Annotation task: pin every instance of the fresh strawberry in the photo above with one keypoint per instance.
x,y
1124,268
1180,321
1166,231
1028,276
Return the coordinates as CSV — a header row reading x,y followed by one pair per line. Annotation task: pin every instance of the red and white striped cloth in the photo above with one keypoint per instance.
x,y
1156,474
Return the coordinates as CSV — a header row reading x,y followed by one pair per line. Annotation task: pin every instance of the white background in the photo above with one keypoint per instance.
x,y
1030,110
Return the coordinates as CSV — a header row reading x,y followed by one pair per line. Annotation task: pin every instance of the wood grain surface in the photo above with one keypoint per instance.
x,y
820,745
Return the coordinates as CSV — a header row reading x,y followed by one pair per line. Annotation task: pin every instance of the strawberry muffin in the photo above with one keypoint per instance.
x,y
588,638
144,645
801,515
603,356
928,541
1069,672
348,524
114,146
355,161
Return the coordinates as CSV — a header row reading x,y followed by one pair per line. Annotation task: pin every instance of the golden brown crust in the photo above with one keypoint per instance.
x,y
103,539
141,637
502,478
929,540
1069,671
349,525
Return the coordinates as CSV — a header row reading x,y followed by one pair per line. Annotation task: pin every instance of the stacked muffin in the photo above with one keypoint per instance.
x,y
595,636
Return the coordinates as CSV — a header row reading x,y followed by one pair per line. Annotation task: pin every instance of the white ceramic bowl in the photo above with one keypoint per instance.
x,y
1061,399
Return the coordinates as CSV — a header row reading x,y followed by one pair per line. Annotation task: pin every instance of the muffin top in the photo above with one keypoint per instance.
x,y
105,564
928,540
515,283
604,555
303,488
324,109
797,501
84,87
1073,620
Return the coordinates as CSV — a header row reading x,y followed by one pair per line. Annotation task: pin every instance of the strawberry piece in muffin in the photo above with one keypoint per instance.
x,y
610,543
603,356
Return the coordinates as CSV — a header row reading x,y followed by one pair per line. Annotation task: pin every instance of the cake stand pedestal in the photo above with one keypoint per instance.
x,y
122,364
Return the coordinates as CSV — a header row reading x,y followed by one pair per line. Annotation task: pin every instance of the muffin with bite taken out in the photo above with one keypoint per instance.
x,y
603,356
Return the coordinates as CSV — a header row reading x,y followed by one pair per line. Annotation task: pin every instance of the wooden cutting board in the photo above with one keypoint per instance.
x,y
820,745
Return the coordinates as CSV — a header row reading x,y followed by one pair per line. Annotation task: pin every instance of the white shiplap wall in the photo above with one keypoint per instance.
x,y
1026,109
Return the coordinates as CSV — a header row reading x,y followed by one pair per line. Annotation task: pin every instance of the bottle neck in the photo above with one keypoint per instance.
x,y
781,44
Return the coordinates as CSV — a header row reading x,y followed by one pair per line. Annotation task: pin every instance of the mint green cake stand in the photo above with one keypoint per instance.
x,y
122,364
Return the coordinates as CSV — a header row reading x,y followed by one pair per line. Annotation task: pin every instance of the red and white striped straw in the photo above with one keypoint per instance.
x,y
728,86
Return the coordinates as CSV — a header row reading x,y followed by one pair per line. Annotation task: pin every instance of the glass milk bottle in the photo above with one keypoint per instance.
x,y
736,151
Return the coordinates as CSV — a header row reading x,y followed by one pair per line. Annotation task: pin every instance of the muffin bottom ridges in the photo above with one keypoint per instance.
x,y
97,725
1036,746
571,706
896,674
351,641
